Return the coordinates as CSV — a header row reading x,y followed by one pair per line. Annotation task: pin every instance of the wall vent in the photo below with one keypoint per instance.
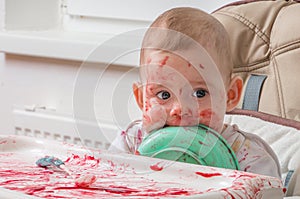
x,y
50,125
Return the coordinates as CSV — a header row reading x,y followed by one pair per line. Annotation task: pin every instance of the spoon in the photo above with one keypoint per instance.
x,y
51,161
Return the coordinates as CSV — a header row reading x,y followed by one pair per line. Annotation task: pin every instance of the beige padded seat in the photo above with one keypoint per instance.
x,y
265,38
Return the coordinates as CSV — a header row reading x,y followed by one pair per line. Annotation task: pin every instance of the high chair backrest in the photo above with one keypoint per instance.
x,y
265,41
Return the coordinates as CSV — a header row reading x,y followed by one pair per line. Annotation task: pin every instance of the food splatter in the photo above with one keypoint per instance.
x,y
164,61
201,66
85,180
208,175
116,179
156,167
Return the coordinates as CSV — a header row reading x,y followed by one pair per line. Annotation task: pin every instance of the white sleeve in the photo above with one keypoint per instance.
x,y
253,153
119,144
259,161
256,156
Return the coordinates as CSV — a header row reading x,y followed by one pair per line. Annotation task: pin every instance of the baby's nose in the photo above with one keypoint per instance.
x,y
176,110
180,110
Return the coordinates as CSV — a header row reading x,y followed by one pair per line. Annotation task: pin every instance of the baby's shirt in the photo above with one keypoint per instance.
x,y
253,153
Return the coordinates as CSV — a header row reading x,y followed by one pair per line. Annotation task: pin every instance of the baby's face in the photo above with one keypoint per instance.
x,y
176,94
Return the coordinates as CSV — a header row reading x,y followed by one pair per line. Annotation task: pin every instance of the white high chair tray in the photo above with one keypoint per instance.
x,y
118,175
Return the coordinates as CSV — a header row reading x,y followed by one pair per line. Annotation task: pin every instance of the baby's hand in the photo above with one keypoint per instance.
x,y
154,118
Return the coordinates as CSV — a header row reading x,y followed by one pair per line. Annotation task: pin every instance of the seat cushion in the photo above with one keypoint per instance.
x,y
283,135
265,40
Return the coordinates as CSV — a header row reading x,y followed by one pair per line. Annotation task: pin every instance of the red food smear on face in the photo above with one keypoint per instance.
x,y
156,167
180,91
146,118
150,88
148,60
147,105
208,175
189,64
164,61
207,113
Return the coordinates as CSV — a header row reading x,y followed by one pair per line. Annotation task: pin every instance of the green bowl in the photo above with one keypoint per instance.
x,y
195,144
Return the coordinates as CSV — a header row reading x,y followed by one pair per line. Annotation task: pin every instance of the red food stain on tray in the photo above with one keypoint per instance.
x,y
85,181
156,167
114,180
208,175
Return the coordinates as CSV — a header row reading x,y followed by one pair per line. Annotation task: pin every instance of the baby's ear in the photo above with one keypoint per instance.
x,y
234,93
138,94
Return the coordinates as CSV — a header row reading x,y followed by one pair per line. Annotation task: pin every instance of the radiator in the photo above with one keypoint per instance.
x,y
61,127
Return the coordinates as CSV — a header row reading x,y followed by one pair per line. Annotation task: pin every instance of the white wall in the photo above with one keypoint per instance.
x,y
2,15
27,80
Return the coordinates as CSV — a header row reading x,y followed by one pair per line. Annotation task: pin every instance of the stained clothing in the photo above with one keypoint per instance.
x,y
253,153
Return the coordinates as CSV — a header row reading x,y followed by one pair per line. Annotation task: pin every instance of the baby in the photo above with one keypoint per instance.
x,y
186,79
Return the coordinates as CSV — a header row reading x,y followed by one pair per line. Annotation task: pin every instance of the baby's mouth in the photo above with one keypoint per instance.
x,y
179,121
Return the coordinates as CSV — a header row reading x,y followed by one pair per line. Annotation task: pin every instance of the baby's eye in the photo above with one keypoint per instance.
x,y
164,95
199,93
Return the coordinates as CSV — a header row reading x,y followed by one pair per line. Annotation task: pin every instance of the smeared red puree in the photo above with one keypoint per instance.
x,y
118,179
201,66
208,175
206,114
85,180
164,61
156,167
113,180
149,60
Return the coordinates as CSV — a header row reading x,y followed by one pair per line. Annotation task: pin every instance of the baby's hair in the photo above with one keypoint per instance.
x,y
197,25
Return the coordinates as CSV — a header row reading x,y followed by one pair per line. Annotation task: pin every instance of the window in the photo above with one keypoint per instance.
x,y
117,16
71,29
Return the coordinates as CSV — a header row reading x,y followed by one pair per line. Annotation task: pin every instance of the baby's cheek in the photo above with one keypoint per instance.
x,y
152,110
156,111
209,118
146,118
154,118
206,114
147,105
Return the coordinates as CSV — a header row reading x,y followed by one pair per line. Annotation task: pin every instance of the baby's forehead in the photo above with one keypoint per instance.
x,y
178,60
157,56
164,62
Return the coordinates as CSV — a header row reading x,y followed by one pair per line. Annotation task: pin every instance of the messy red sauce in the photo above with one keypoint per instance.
x,y
180,91
85,181
164,61
114,179
208,175
207,113
148,60
156,167
201,66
